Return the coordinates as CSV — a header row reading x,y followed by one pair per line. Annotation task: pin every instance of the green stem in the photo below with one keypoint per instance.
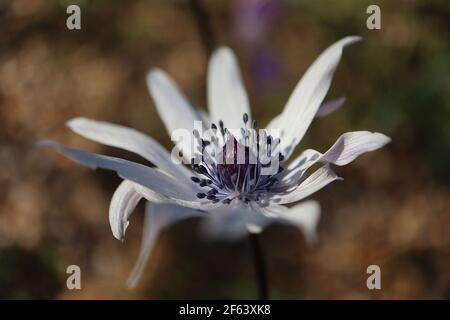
x,y
260,267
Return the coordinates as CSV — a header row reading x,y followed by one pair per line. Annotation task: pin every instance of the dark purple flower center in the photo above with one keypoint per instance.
x,y
235,164
237,167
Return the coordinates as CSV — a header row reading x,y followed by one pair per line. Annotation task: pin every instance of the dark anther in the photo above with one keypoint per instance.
x,y
280,169
254,124
221,124
245,118
201,195
266,165
215,200
203,183
196,134
195,179
280,157
180,153
212,192
269,139
213,126
226,201
210,197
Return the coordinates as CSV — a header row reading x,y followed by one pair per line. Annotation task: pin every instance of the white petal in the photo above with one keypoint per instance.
x,y
304,215
153,196
313,183
123,203
128,139
143,175
352,144
157,218
308,95
227,97
232,222
297,168
347,148
174,109
330,106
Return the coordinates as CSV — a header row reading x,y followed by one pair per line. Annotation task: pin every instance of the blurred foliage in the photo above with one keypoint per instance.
x,y
28,274
392,209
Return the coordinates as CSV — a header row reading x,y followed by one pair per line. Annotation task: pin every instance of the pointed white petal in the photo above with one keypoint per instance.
x,y
143,175
128,139
157,218
173,107
297,168
347,148
123,203
304,215
153,196
352,144
330,106
227,97
308,95
313,183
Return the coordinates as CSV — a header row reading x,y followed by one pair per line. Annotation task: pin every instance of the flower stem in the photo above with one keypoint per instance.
x,y
260,266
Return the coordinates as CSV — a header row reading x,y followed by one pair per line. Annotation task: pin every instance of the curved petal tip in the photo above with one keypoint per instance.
x,y
351,39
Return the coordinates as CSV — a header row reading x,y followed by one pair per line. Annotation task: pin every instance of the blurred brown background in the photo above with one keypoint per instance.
x,y
392,209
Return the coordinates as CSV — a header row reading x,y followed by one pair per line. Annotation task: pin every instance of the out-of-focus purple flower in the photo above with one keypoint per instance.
x,y
253,19
266,69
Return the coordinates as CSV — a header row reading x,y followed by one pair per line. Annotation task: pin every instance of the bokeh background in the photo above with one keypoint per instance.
x,y
392,209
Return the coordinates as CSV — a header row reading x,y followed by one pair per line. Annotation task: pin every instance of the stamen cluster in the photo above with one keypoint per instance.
x,y
232,164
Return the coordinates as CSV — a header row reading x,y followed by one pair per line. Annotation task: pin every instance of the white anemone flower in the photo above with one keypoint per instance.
x,y
235,198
